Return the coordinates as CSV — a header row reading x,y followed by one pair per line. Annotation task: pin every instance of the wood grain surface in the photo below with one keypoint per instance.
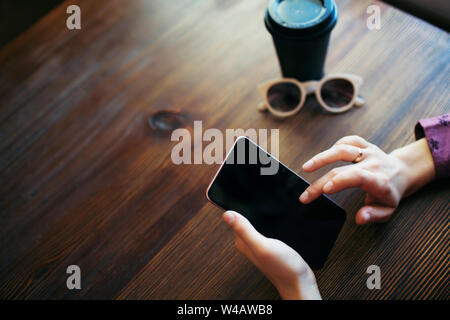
x,y
87,177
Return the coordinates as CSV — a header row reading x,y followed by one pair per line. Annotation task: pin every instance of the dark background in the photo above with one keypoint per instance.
x,y
18,15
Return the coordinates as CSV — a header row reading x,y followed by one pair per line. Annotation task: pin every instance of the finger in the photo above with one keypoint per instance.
x,y
244,230
316,188
355,178
373,213
245,250
342,152
353,140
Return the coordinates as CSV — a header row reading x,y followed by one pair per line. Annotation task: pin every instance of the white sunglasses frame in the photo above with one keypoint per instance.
x,y
309,87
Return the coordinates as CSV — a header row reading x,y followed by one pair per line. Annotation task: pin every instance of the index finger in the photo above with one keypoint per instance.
x,y
340,152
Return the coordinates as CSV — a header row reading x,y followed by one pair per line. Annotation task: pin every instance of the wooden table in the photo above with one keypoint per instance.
x,y
85,180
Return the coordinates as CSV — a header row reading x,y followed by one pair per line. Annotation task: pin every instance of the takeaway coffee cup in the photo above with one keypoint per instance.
x,y
301,31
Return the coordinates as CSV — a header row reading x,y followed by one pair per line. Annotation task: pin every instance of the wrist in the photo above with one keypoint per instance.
x,y
417,165
302,288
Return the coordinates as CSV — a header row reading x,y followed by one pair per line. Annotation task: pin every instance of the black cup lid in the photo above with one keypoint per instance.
x,y
301,17
299,13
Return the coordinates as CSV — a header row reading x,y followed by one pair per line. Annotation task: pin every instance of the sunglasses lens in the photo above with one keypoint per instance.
x,y
284,96
337,93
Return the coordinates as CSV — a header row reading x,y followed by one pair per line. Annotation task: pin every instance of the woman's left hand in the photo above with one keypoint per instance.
x,y
281,264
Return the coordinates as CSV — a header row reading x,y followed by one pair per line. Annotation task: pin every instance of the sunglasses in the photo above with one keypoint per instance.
x,y
336,93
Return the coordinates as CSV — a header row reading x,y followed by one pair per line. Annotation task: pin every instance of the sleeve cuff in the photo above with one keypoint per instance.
x,y
437,132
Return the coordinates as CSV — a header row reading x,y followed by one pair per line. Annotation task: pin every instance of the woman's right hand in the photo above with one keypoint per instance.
x,y
386,178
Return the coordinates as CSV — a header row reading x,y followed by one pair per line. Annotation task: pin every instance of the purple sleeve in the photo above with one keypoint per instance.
x,y
437,132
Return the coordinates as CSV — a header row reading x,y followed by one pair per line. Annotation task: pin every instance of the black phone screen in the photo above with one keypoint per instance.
x,y
271,202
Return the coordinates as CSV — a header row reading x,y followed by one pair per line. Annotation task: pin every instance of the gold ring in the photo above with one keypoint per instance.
x,y
359,156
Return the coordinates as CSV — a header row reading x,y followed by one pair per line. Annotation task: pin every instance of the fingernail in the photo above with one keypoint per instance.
x,y
304,196
328,187
308,165
365,216
228,217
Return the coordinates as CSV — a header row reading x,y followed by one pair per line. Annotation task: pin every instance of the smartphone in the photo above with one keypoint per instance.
x,y
270,201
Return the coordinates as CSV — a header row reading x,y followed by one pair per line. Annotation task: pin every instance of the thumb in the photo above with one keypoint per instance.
x,y
370,214
244,230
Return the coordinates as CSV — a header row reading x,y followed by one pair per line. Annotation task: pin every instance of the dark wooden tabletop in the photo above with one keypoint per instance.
x,y
86,181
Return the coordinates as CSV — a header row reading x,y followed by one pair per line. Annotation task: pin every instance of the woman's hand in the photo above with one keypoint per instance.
x,y
282,265
386,178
